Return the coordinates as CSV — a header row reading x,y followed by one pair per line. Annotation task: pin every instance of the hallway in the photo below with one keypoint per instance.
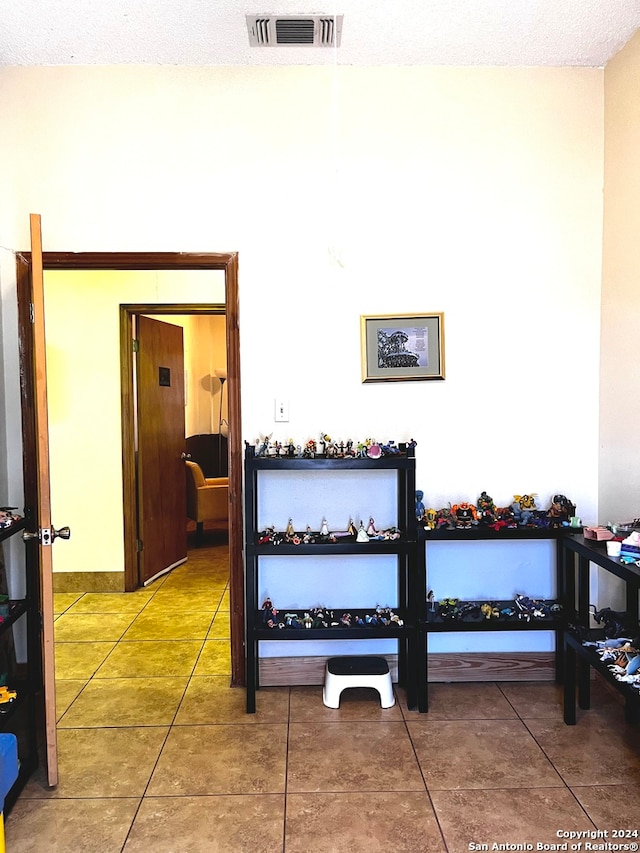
x,y
157,754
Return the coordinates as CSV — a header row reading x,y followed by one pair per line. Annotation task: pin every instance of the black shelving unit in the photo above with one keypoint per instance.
x,y
19,717
404,550
430,623
577,555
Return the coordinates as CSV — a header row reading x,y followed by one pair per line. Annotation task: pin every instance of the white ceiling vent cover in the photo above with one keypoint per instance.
x,y
296,30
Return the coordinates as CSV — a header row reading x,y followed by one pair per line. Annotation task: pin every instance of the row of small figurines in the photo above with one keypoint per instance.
x,y
326,448
522,512
622,657
271,536
526,608
321,617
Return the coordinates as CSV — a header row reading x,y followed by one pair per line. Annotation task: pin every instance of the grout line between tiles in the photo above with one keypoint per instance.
x,y
426,787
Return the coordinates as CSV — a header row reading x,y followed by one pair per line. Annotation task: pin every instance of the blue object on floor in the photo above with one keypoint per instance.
x,y
9,767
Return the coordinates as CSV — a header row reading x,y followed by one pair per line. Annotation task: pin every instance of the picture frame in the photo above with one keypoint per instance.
x,y
402,347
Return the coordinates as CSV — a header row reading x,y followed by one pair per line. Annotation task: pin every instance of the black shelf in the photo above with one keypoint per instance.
x,y
19,717
430,623
356,633
403,549
482,532
577,554
438,624
337,548
319,463
592,660
6,532
16,610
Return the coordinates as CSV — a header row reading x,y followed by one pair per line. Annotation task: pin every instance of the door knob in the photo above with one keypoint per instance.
x,y
46,535
185,456
61,533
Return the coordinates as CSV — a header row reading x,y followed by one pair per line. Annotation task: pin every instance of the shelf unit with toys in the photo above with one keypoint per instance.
x,y
325,558
484,614
581,636
19,682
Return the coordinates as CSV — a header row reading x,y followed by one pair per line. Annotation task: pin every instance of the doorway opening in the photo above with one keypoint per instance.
x,y
162,261
176,415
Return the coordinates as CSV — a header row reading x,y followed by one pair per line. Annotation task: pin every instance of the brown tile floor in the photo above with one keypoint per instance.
x,y
157,754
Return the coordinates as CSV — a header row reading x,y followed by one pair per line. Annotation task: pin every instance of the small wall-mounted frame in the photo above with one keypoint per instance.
x,y
400,347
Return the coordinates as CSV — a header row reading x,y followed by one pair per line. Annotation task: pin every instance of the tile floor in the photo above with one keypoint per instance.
x,y
157,754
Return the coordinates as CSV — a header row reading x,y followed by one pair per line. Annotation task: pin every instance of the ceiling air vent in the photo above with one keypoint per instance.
x,y
299,30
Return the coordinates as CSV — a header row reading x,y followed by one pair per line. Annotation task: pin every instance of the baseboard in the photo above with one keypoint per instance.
x,y
504,666
298,671
88,581
493,666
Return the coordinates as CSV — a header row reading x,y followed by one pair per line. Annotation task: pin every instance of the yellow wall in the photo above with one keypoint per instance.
x,y
619,373
83,363
204,350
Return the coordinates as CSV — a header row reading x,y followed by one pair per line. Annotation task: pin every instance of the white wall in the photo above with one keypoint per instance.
x,y
349,191
476,192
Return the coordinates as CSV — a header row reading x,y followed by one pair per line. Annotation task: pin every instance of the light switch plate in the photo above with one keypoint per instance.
x,y
282,410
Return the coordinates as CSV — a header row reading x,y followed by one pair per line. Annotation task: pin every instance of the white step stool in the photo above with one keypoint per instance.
x,y
357,671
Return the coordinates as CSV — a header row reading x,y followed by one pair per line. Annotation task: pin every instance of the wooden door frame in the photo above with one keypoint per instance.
x,y
228,262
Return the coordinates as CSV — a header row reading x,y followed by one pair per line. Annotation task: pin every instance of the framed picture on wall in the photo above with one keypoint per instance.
x,y
400,347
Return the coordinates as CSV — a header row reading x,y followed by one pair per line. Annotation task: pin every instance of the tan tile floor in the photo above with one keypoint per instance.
x,y
157,754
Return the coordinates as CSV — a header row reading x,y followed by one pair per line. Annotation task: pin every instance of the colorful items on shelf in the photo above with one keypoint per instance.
x,y
522,512
630,549
8,517
326,448
7,696
321,617
525,609
622,657
271,536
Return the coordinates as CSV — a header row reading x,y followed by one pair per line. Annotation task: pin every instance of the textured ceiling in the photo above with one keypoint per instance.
x,y
375,32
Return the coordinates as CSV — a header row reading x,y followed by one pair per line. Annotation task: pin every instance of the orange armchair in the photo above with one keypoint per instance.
x,y
207,498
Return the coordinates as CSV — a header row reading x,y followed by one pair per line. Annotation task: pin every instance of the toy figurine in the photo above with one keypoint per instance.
x,y
371,529
420,510
523,507
431,598
445,518
464,515
290,531
504,518
262,444
362,534
560,511
430,519
486,509
324,529
616,623
269,613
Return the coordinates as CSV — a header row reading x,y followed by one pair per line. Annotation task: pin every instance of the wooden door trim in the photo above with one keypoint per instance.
x,y
228,262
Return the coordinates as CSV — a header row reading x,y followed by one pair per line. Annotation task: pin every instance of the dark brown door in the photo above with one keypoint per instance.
x,y
161,482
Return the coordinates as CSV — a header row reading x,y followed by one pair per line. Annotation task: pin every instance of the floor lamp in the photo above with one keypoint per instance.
x,y
220,374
